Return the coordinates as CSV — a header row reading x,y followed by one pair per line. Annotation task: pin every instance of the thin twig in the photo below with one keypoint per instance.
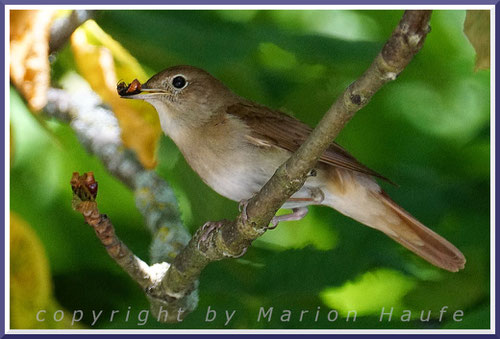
x,y
98,130
84,192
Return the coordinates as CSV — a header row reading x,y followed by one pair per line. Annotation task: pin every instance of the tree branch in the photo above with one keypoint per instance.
x,y
62,28
232,238
85,190
174,285
406,40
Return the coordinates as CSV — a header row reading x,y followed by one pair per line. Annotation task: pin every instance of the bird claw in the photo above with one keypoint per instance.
x,y
238,255
207,229
274,222
298,213
242,207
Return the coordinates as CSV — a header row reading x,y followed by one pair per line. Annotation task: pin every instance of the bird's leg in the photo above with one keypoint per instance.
x,y
316,197
298,213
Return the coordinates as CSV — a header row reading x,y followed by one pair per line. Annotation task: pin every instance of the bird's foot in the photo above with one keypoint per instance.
x,y
242,207
207,230
298,213
238,255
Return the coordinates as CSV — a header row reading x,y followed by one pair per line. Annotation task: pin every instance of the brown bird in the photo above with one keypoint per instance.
x,y
236,145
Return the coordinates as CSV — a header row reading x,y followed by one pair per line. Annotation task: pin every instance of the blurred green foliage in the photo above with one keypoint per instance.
x,y
429,131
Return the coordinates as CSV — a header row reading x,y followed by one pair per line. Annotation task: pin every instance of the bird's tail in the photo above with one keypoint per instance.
x,y
360,198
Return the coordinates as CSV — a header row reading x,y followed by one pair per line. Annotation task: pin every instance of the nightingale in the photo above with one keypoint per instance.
x,y
236,145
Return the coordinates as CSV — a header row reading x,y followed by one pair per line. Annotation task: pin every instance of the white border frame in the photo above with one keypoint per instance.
x,y
243,7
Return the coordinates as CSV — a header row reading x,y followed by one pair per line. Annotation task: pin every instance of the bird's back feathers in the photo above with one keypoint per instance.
x,y
276,129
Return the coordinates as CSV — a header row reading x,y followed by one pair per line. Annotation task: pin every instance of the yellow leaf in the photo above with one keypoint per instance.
x,y
102,61
29,54
30,280
477,30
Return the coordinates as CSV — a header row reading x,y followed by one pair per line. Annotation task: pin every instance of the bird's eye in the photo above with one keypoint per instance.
x,y
179,82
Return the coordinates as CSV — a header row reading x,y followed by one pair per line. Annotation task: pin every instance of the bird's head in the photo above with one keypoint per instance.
x,y
183,94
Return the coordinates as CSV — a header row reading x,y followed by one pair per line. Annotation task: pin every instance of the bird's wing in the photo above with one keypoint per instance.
x,y
271,128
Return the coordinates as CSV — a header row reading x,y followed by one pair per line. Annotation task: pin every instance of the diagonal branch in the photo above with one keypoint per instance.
x,y
174,287
84,192
231,238
406,40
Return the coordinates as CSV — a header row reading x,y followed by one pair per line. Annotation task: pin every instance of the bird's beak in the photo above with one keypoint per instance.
x,y
135,90
144,94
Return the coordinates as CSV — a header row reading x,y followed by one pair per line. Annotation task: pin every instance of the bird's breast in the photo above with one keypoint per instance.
x,y
233,169
224,159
